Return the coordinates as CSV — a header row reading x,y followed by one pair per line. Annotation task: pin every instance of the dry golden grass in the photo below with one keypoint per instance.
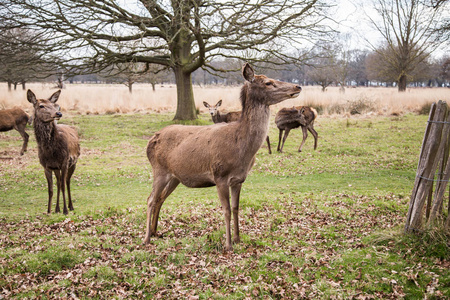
x,y
105,99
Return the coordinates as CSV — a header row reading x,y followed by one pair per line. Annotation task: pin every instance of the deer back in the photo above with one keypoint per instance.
x,y
309,113
233,116
10,118
289,118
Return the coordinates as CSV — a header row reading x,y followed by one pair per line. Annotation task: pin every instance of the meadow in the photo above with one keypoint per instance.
x,y
323,224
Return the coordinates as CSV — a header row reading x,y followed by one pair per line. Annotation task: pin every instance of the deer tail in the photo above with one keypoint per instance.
x,y
314,112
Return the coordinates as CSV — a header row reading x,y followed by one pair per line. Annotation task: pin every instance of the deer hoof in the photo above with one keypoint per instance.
x,y
229,248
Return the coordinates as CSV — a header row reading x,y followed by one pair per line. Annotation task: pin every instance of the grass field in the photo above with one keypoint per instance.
x,y
324,224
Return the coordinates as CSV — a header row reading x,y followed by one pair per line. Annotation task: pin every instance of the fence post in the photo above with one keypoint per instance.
x,y
431,154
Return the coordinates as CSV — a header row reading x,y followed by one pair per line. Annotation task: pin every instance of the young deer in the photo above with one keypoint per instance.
x,y
15,118
217,117
58,146
290,118
218,155
227,118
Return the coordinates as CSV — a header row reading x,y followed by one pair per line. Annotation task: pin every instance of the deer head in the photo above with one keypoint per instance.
x,y
212,109
268,91
45,110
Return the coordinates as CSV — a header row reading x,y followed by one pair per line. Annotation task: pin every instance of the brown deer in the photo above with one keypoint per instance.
x,y
217,117
58,147
15,118
226,118
290,118
218,155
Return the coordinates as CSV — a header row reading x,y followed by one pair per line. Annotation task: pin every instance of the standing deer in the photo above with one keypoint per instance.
x,y
218,155
217,117
15,118
290,118
227,118
58,146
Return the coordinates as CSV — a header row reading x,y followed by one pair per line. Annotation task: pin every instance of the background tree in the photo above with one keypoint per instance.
x,y
182,35
357,67
408,31
324,66
20,57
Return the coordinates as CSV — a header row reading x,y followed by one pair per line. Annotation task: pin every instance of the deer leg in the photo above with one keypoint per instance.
x,y
159,184
286,133
268,144
69,175
25,136
48,175
224,196
315,135
58,186
169,188
305,135
62,183
235,193
280,134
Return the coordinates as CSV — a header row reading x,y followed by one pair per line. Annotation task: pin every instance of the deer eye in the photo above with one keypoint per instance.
x,y
41,106
269,83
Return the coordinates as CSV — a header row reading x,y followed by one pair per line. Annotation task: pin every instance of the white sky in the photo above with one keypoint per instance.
x,y
353,20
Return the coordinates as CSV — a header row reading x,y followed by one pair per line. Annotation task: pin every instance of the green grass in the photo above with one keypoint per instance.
x,y
317,224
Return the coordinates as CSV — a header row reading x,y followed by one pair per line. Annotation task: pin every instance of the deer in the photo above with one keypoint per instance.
x,y
16,118
218,155
227,118
298,116
217,117
58,147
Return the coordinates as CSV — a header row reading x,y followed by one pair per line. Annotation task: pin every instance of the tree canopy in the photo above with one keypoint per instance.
x,y
182,35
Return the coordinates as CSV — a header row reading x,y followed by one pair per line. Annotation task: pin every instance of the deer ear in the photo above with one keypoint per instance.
x,y
219,103
248,72
53,98
31,97
206,104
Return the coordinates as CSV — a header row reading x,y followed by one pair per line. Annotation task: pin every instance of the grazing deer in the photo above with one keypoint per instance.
x,y
217,117
218,155
290,118
15,118
227,118
58,146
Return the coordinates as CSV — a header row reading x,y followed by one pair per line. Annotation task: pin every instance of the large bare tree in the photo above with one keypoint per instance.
x,y
182,35
408,30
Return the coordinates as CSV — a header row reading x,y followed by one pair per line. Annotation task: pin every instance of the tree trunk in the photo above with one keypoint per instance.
x,y
185,95
130,87
402,83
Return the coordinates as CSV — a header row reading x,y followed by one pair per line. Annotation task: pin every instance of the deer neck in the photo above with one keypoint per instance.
x,y
217,118
46,133
254,125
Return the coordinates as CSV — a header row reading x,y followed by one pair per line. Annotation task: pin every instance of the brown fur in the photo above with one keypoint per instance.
x,y
15,118
227,118
298,116
217,117
58,147
218,155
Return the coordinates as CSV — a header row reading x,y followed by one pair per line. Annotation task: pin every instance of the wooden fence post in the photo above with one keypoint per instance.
x,y
434,153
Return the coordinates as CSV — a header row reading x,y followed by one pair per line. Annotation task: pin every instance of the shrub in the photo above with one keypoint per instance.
x,y
360,105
